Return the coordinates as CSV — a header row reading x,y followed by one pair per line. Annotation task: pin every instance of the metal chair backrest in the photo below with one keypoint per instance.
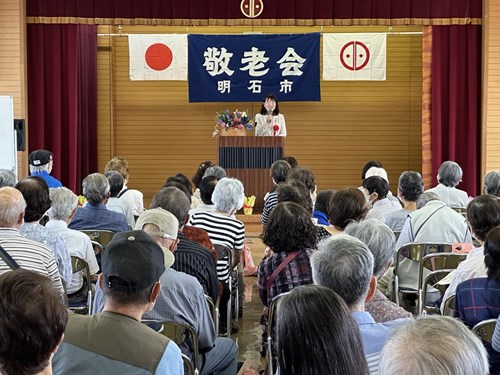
x,y
81,266
224,253
270,325
484,329
449,306
188,364
214,311
101,236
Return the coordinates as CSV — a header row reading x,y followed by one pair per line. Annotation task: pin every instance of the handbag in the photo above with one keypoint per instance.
x,y
8,259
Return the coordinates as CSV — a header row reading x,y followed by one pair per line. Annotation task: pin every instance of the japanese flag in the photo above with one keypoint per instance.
x,y
158,57
360,57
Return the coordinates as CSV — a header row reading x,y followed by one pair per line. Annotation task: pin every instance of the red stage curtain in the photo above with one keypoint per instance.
x,y
456,100
62,98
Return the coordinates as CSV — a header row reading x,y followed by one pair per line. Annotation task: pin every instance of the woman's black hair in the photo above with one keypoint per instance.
x,y
36,194
198,175
483,214
368,165
263,110
492,254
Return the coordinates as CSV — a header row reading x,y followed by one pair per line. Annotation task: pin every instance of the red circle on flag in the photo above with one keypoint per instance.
x,y
158,56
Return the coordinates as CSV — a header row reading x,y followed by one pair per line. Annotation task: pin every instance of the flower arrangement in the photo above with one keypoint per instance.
x,y
226,119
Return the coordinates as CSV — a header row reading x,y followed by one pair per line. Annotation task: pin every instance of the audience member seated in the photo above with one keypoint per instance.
x,y
381,172
95,215
183,180
64,206
433,345
492,183
198,176
449,176
478,299
115,341
190,256
134,198
306,176
411,186
215,170
32,323
116,204
41,163
36,195
205,190
27,254
345,265
291,235
279,172
346,206
317,335
483,214
321,207
376,189
369,164
7,178
380,240
291,160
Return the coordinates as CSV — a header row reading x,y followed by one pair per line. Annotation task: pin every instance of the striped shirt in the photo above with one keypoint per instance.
x,y
30,255
222,230
269,204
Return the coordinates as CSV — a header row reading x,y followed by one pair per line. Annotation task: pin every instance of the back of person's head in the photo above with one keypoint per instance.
x,y
492,183
492,254
36,194
180,186
12,206
426,197
295,191
304,175
215,170
376,171
174,201
323,200
379,238
483,214
116,181
32,322
313,319
411,185
181,179
279,171
95,188
368,165
119,165
228,195
131,266
347,205
345,265
289,228
433,345
450,174
7,178
291,160
64,203
198,175
378,185
207,186
40,161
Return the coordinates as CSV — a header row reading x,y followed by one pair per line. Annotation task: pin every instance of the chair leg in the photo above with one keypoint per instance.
x,y
269,356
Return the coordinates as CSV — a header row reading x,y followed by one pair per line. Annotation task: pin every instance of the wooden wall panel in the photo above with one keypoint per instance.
x,y
13,63
153,126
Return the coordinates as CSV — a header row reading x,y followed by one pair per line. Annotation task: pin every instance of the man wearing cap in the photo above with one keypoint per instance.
x,y
115,341
41,162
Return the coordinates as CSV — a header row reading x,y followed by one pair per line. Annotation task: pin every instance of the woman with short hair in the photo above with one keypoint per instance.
x,y
346,206
449,176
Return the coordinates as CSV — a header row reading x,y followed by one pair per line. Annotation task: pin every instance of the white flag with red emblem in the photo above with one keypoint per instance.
x,y
358,57
158,57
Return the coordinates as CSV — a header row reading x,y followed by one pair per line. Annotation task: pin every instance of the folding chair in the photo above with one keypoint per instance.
x,y
449,306
270,325
484,329
225,253
415,252
101,236
439,265
214,311
83,300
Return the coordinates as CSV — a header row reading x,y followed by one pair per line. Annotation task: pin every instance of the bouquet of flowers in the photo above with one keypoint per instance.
x,y
238,119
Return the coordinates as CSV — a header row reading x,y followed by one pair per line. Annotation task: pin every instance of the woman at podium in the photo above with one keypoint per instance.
x,y
270,122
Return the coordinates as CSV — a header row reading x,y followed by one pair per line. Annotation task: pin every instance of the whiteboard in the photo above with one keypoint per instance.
x,y
8,145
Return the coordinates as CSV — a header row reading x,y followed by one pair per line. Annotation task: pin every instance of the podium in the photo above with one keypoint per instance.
x,y
248,159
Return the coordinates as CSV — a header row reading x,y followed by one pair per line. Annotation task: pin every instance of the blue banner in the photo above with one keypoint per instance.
x,y
245,68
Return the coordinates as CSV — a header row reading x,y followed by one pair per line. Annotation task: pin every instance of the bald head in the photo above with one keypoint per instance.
x,y
12,206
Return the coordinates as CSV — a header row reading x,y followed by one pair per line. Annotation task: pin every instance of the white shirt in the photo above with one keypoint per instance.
x,y
453,197
382,208
134,199
264,126
121,206
78,245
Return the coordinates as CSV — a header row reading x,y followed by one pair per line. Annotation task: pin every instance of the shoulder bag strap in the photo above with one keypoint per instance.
x,y
121,194
278,270
426,220
8,259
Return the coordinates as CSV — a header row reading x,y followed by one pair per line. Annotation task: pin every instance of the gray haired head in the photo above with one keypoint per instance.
x,y
411,185
64,202
345,265
95,188
215,170
492,183
379,238
7,178
450,173
434,344
426,197
228,195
